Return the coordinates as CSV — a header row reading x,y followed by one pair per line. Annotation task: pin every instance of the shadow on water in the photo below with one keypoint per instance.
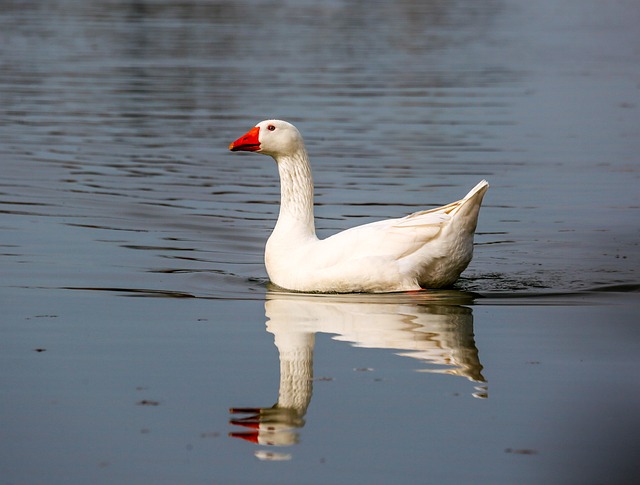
x,y
438,333
254,289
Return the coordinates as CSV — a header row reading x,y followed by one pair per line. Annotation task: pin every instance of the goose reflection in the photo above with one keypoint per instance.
x,y
438,333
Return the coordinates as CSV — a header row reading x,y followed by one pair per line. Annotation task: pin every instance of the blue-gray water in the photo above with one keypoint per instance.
x,y
136,312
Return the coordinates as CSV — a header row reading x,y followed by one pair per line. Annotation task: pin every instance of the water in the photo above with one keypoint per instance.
x,y
136,309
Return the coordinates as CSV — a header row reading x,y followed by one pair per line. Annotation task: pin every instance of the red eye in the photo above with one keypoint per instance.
x,y
271,127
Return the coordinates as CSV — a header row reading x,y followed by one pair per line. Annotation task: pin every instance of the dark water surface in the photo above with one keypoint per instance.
x,y
134,298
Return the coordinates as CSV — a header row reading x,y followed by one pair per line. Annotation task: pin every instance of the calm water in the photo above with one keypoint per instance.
x,y
138,327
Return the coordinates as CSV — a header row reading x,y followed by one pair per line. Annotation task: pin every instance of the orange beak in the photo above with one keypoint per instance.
x,y
248,142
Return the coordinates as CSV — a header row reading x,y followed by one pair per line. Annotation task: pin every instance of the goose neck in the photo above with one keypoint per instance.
x,y
296,191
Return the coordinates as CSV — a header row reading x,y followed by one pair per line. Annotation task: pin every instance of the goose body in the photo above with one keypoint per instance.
x,y
426,249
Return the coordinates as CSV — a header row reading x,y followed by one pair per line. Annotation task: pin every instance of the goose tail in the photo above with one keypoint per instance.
x,y
478,191
468,208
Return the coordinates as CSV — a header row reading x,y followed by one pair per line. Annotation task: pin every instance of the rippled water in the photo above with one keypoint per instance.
x,y
115,119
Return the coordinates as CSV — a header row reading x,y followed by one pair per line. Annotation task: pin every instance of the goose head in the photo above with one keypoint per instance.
x,y
271,137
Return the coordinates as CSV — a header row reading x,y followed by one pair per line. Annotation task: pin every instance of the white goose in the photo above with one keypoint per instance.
x,y
426,249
